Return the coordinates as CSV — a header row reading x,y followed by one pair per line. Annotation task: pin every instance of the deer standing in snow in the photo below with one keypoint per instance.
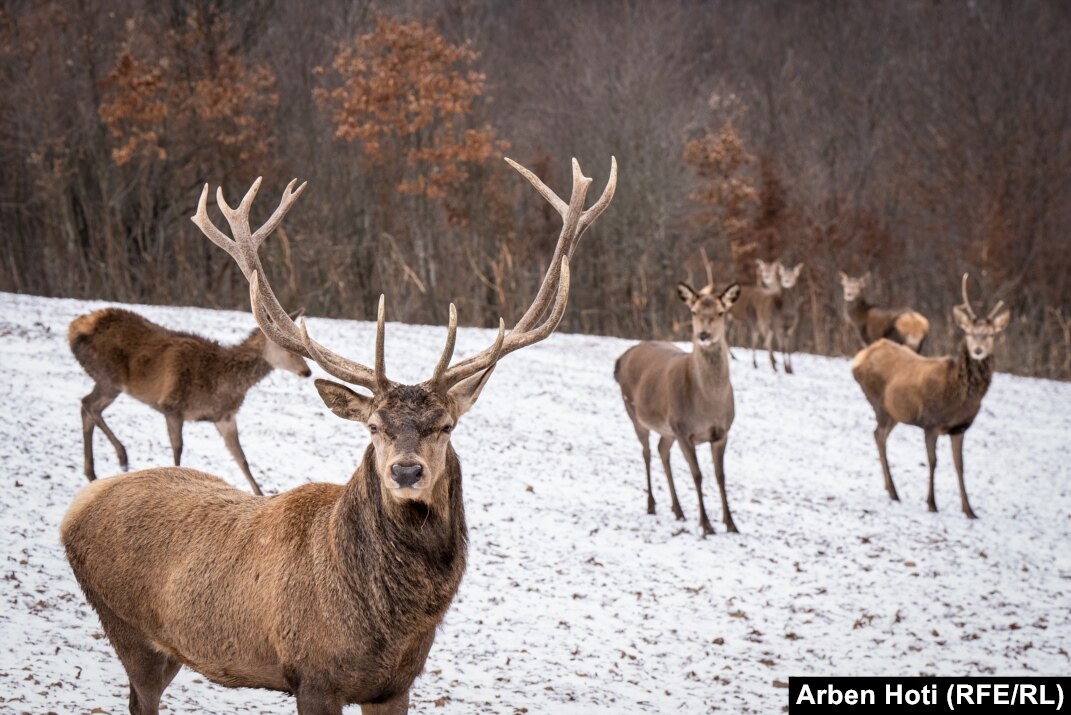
x,y
185,377
942,395
684,397
330,592
871,322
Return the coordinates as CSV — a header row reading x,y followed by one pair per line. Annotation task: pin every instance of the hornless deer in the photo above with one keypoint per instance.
x,y
185,377
759,307
685,397
901,325
332,593
941,395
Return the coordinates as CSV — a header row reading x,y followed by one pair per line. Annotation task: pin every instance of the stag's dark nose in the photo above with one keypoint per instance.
x,y
704,336
978,351
407,474
306,372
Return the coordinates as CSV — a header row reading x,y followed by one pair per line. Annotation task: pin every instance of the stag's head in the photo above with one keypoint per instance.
x,y
767,273
853,287
709,312
980,333
789,276
410,425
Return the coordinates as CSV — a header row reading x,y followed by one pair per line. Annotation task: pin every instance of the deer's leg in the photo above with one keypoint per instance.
x,y
753,334
693,464
399,705
228,429
717,453
149,670
93,405
957,458
881,434
664,444
319,701
174,432
931,458
767,341
786,350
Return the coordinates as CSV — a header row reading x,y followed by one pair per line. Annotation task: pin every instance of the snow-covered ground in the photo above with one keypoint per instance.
x,y
575,600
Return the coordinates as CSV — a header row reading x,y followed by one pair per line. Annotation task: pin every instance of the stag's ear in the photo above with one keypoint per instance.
x,y
865,279
843,276
1001,321
730,295
297,314
962,318
465,393
686,293
343,401
796,271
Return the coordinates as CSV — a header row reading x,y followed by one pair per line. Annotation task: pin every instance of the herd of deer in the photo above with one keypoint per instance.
x,y
333,593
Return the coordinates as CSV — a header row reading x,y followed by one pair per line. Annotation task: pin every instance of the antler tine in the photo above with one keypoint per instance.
x,y
995,310
966,300
448,349
380,373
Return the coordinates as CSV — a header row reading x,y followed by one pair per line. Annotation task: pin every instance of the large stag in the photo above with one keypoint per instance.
x,y
185,377
871,322
684,397
941,395
332,593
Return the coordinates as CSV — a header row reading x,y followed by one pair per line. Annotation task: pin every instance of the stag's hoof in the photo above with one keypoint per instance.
x,y
970,513
788,370
678,514
650,505
730,527
705,530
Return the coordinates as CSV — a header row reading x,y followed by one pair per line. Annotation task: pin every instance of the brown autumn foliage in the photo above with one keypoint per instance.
x,y
917,140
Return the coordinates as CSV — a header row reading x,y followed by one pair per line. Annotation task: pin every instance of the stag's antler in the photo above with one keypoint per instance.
x,y
575,220
967,303
281,329
270,316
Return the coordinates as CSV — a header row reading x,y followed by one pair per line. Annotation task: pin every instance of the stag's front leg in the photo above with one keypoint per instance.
x,y
717,453
931,457
312,700
957,458
396,706
693,464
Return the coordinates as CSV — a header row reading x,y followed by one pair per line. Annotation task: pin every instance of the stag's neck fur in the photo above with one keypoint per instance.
x,y
401,562
973,377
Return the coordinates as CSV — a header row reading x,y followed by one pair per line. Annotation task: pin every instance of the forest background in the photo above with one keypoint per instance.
x,y
917,140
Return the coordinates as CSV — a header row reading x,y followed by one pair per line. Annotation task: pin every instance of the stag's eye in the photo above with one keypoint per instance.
x,y
447,429
372,429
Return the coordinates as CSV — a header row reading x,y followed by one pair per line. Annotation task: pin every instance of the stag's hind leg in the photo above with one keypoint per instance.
x,y
881,434
957,457
149,670
174,433
664,445
93,406
644,435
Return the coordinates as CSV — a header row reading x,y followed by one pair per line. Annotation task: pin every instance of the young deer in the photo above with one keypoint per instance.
x,y
941,395
685,397
332,593
185,377
901,325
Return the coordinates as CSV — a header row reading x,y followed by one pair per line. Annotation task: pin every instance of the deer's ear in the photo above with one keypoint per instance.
x,y
865,279
1001,321
843,277
686,293
962,318
465,393
730,295
797,269
343,401
297,314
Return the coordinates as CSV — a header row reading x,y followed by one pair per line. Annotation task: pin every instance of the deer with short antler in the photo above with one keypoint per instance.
x,y
183,376
332,593
684,397
942,395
